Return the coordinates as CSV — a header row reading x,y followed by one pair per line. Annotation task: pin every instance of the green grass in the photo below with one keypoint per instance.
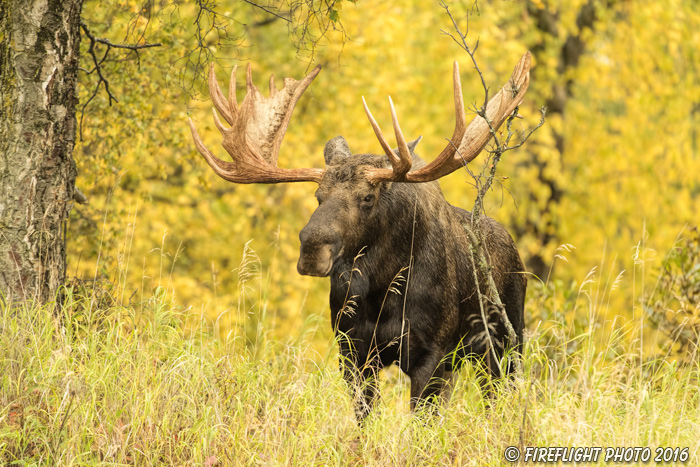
x,y
152,385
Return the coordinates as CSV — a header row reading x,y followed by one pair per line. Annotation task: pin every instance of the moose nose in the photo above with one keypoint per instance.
x,y
318,245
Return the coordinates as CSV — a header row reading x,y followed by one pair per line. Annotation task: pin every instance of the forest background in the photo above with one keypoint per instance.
x,y
612,176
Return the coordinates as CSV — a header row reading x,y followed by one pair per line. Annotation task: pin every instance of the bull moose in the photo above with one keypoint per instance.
x,y
403,288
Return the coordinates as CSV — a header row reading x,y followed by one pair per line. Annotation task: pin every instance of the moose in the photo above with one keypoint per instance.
x,y
403,284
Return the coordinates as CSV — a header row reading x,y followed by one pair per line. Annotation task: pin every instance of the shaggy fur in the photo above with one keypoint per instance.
x,y
402,283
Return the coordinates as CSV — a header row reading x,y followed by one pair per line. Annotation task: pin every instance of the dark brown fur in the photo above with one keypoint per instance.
x,y
425,316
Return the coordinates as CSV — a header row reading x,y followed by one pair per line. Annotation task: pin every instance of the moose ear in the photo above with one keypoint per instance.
x,y
411,145
336,150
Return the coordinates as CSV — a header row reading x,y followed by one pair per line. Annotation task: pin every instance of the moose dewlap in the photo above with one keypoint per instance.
x,y
403,287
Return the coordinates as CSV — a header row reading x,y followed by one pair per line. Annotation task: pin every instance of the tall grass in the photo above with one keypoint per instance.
x,y
149,384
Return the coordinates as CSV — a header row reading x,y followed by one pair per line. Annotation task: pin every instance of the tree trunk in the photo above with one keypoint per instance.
x,y
39,49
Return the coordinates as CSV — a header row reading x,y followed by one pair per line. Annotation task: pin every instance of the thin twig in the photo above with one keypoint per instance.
x,y
463,44
267,10
98,62
479,253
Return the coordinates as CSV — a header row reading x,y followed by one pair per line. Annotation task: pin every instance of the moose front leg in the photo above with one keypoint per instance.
x,y
427,379
360,374
363,389
449,387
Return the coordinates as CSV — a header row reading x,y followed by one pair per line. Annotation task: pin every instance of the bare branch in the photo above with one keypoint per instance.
x,y
462,42
213,31
267,10
98,62
524,136
480,256
311,21
219,38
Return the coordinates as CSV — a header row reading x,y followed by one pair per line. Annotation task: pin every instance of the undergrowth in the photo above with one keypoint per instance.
x,y
109,384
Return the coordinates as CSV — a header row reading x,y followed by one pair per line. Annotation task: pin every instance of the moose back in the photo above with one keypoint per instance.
x,y
403,287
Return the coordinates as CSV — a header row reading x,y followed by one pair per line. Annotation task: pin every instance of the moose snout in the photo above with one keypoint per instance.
x,y
318,248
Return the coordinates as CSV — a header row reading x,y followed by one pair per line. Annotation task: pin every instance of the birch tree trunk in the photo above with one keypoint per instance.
x,y
39,48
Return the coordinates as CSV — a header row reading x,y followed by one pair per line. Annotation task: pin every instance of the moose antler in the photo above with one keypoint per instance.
x,y
466,142
256,132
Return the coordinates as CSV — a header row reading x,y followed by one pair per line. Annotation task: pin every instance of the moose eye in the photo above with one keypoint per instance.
x,y
368,198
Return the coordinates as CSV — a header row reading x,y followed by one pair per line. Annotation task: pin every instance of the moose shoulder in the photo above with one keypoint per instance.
x,y
403,286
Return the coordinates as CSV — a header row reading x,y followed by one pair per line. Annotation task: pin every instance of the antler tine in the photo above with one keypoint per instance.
x,y
256,131
217,97
405,162
300,88
214,162
249,85
448,153
232,101
378,132
468,141
222,129
500,107
273,88
460,119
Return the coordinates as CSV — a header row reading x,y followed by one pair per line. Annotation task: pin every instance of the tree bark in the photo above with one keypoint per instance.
x,y
39,49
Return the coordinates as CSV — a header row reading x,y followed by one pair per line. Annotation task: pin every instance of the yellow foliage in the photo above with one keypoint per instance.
x,y
159,216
